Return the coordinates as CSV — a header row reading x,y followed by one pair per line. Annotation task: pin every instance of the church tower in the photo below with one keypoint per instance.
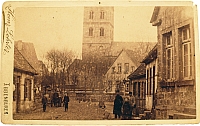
x,y
98,28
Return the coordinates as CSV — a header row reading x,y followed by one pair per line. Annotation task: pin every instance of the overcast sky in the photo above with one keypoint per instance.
x,y
61,28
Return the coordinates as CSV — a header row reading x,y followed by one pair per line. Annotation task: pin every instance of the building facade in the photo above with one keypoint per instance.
x,y
151,71
27,77
138,87
123,65
23,81
176,92
144,83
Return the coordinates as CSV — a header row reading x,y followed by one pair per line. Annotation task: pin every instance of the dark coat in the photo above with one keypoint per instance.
x,y
118,102
127,108
44,100
66,99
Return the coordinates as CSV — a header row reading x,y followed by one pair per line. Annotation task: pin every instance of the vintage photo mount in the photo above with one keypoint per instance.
x,y
7,61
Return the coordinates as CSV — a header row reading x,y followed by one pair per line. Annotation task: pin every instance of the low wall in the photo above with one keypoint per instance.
x,y
95,97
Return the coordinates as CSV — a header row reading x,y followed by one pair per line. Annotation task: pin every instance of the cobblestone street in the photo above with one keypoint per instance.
x,y
77,111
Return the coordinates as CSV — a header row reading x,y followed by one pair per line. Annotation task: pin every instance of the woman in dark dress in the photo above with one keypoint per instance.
x,y
118,102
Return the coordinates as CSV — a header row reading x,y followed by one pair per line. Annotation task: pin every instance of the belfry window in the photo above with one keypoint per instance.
x,y
91,15
90,31
102,15
101,31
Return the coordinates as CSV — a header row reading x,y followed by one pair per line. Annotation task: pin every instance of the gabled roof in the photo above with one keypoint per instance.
x,y
140,72
28,51
102,63
134,56
116,47
155,14
21,63
150,56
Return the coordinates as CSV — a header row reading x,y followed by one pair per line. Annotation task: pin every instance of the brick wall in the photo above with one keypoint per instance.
x,y
182,92
174,99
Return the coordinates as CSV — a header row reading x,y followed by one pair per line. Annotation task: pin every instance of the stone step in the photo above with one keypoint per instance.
x,y
183,116
190,110
136,118
141,115
147,112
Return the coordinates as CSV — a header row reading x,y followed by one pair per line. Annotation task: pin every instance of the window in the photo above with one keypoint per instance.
x,y
100,47
153,77
27,89
132,68
101,15
16,82
143,90
101,31
127,87
91,15
119,67
110,85
138,90
149,81
90,31
113,70
147,76
126,68
134,88
167,38
186,51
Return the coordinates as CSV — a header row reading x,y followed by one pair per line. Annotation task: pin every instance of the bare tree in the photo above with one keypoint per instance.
x,y
59,61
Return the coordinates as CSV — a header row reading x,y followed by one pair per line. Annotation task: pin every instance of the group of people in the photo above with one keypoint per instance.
x,y
121,107
124,107
65,101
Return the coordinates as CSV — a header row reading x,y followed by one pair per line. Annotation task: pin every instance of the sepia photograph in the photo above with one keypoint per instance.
x,y
99,62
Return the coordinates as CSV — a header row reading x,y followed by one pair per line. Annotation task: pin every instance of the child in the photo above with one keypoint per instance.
x,y
127,113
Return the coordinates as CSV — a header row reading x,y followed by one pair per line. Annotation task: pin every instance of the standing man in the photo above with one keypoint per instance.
x,y
118,102
66,100
44,102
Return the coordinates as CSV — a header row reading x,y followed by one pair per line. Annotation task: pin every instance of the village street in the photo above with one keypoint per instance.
x,y
77,111
155,77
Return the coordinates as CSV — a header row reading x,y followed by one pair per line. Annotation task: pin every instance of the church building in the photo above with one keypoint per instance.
x,y
98,29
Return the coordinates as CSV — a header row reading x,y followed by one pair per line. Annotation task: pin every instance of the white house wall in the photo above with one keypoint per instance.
x,y
122,58
149,98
